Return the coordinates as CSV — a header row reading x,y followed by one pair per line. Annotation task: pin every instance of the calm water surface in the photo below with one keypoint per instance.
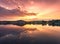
x,y
29,34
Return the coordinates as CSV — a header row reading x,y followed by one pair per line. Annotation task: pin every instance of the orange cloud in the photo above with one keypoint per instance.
x,y
29,9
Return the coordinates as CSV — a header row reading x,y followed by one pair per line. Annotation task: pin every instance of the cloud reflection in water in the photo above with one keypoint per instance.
x,y
29,34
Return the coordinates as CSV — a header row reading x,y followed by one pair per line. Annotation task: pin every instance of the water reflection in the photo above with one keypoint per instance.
x,y
29,34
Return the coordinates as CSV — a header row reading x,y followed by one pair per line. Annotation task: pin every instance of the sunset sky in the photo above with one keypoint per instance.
x,y
29,9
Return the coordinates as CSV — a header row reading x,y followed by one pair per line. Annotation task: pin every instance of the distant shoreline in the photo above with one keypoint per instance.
x,y
41,22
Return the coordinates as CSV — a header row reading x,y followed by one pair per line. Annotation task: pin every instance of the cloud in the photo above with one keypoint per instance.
x,y
13,12
6,12
12,4
9,8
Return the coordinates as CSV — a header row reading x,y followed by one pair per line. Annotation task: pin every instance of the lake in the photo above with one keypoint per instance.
x,y
29,34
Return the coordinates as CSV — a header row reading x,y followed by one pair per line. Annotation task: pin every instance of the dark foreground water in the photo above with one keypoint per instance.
x,y
29,34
